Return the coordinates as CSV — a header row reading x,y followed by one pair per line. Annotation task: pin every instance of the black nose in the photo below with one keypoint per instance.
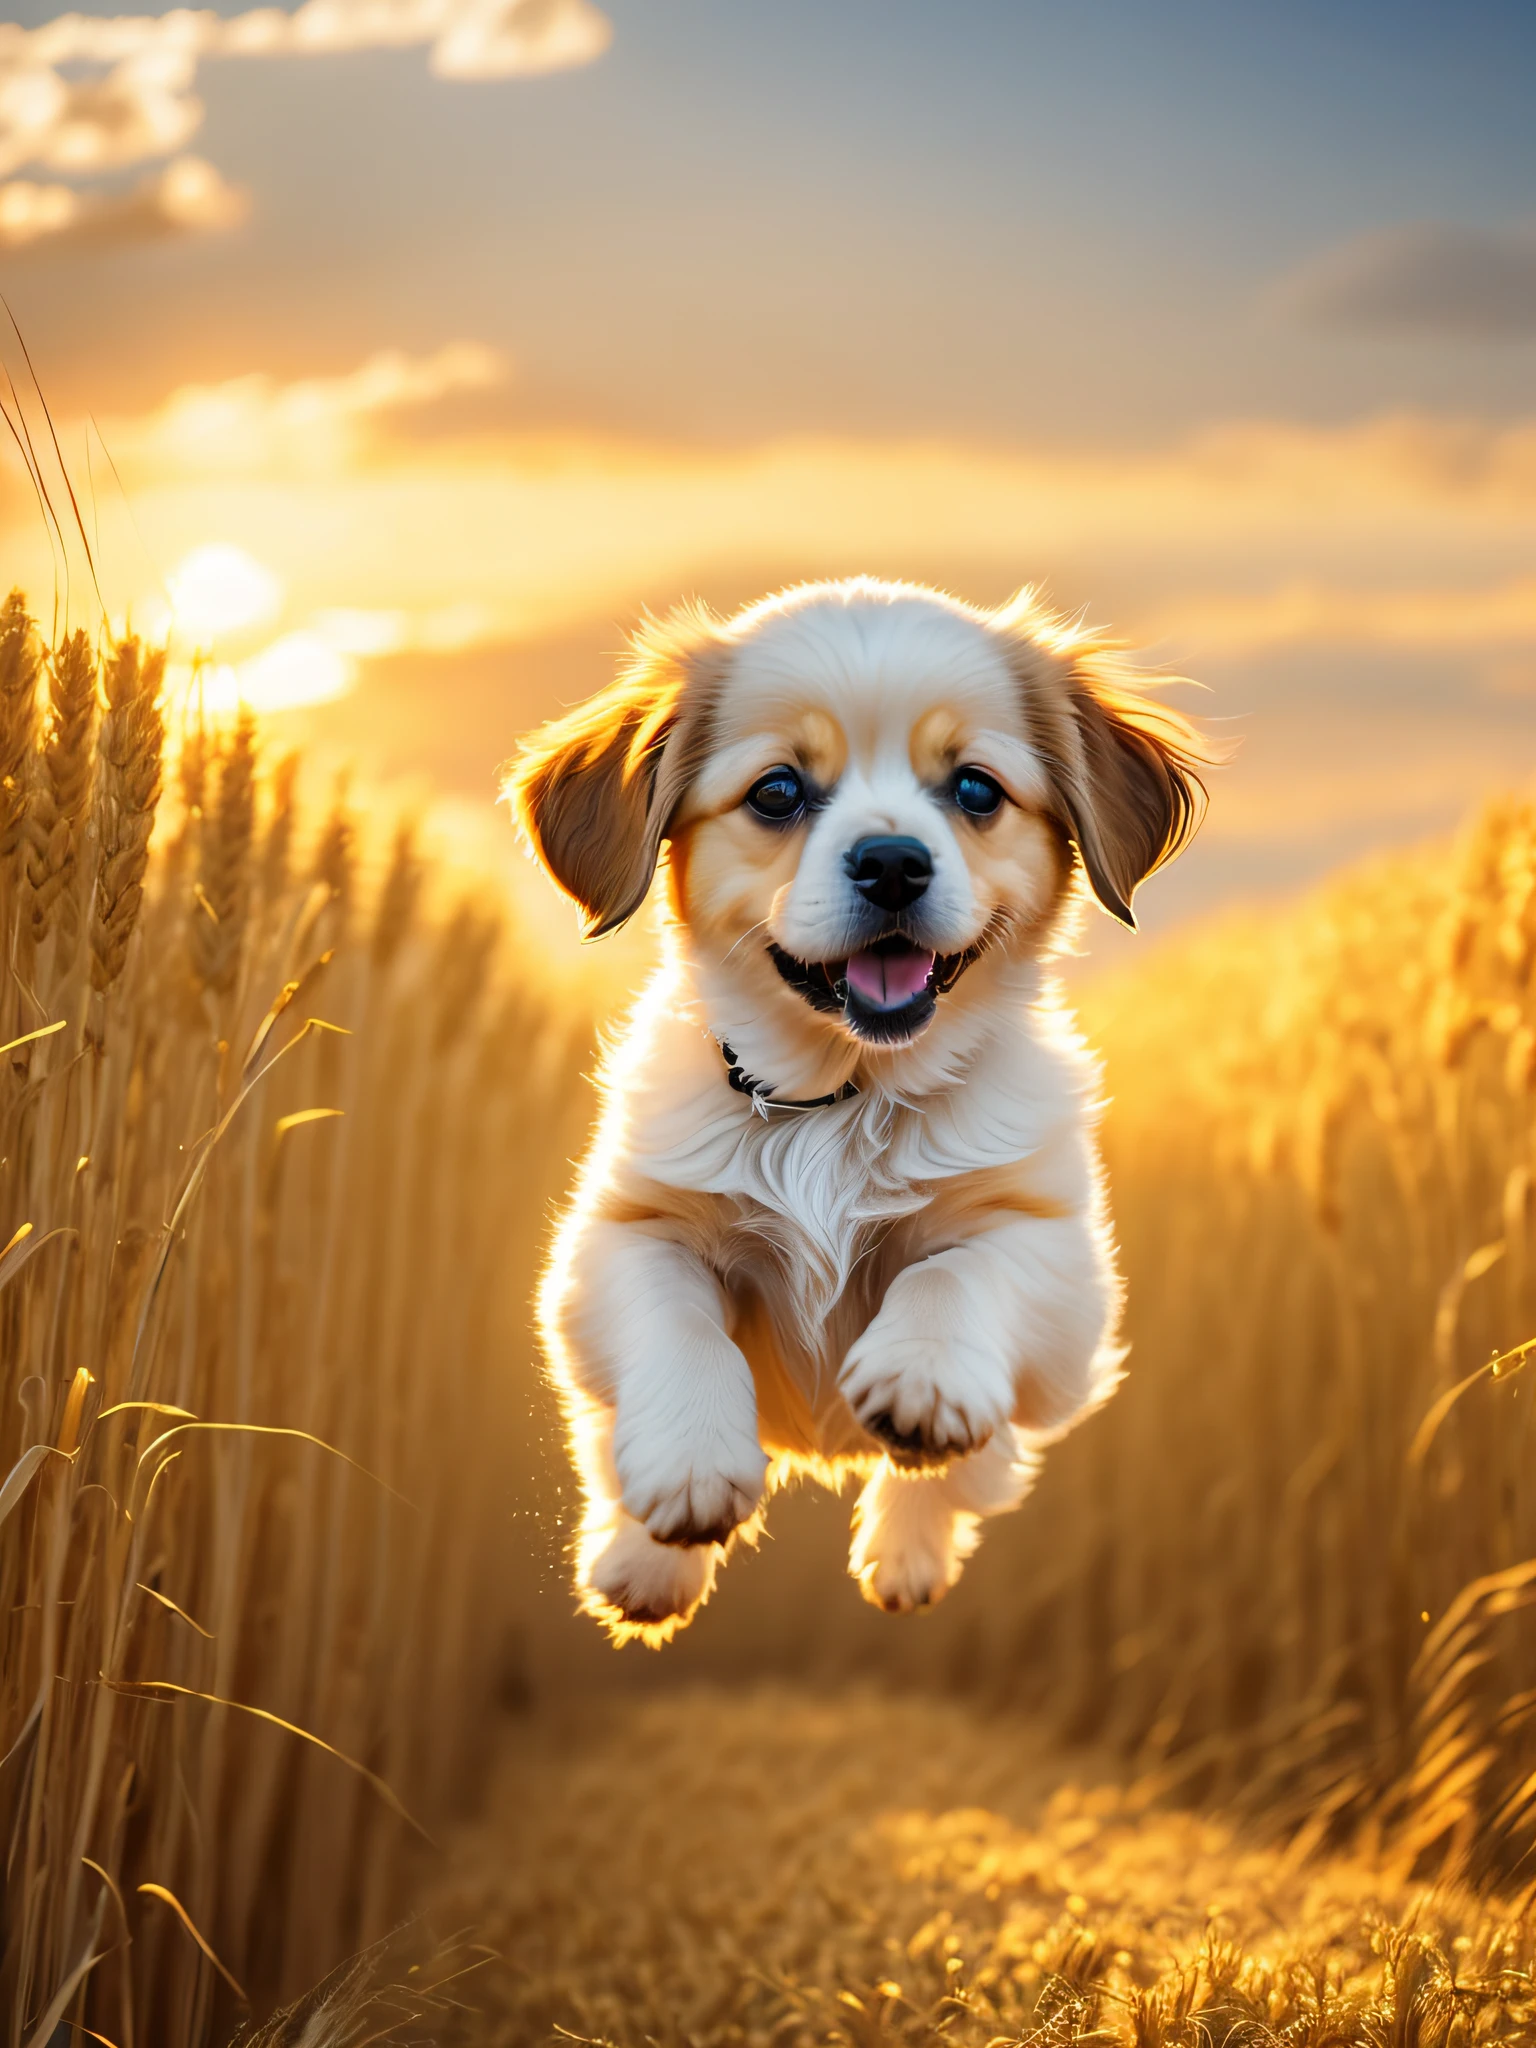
x,y
890,873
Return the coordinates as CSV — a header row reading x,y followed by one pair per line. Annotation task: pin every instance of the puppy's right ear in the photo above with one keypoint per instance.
x,y
595,792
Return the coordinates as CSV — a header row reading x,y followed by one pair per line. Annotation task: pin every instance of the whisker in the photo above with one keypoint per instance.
x,y
761,925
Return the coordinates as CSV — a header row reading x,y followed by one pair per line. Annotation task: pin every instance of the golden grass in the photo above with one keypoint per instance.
x,y
720,1870
1292,1562
274,1150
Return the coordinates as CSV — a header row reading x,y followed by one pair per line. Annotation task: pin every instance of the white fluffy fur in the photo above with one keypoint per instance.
x,y
731,1297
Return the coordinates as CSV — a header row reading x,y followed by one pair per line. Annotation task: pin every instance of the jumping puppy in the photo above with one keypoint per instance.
x,y
844,1209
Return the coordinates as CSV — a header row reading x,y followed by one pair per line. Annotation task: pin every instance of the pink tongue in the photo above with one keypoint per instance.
x,y
888,980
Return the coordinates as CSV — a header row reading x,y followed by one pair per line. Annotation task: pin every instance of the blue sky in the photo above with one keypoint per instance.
x,y
872,215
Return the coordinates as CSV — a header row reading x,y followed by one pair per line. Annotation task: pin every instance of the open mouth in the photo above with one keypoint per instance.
x,y
884,993
889,974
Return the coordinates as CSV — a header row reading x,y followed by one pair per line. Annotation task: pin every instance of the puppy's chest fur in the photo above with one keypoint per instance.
x,y
814,1216
807,1216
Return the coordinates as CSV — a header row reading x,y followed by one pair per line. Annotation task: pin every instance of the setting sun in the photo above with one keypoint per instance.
x,y
219,591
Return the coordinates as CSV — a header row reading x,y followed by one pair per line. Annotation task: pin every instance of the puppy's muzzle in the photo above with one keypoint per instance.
x,y
889,871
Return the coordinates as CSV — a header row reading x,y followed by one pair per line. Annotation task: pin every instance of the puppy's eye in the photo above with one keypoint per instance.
x,y
778,796
977,794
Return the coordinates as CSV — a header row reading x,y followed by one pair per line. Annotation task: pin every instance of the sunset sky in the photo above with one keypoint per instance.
x,y
402,350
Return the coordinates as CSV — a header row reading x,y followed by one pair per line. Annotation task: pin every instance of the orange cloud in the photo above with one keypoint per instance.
x,y
321,427
1309,612
1401,532
189,197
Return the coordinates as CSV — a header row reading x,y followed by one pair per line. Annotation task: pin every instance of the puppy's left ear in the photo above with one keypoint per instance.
x,y
595,792
1129,783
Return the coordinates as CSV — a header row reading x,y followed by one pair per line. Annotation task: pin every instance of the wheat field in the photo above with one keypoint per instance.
x,y
289,1659
274,1130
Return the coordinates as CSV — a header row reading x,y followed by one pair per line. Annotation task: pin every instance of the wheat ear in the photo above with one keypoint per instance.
x,y
19,662
222,903
62,789
398,897
336,862
277,847
127,792
197,756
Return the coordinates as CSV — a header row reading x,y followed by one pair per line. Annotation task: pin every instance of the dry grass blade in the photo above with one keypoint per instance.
x,y
180,1612
299,1117
32,1037
1429,1428
291,992
24,1246
153,1688
196,1173
22,1473
43,2034
159,1891
265,1429
380,1995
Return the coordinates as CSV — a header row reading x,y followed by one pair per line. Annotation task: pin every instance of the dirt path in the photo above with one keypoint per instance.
x,y
712,1868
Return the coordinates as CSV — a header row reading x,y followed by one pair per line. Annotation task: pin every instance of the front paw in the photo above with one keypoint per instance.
x,y
637,1590
924,1400
695,1493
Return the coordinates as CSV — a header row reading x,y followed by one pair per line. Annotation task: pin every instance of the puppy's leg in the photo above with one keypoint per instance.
x,y
638,1589
913,1531
637,1325
1009,1325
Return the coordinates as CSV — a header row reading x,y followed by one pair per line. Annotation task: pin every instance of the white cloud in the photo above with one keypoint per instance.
x,y
357,632
299,670
503,39
135,99
188,197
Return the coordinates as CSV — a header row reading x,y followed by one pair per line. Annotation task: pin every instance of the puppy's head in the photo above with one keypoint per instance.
x,y
866,787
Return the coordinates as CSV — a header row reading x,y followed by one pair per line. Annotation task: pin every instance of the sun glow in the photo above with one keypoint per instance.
x,y
219,591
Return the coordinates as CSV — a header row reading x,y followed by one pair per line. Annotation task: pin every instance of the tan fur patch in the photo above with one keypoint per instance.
x,y
936,744
820,747
982,1195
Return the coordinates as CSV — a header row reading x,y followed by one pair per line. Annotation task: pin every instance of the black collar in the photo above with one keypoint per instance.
x,y
758,1091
